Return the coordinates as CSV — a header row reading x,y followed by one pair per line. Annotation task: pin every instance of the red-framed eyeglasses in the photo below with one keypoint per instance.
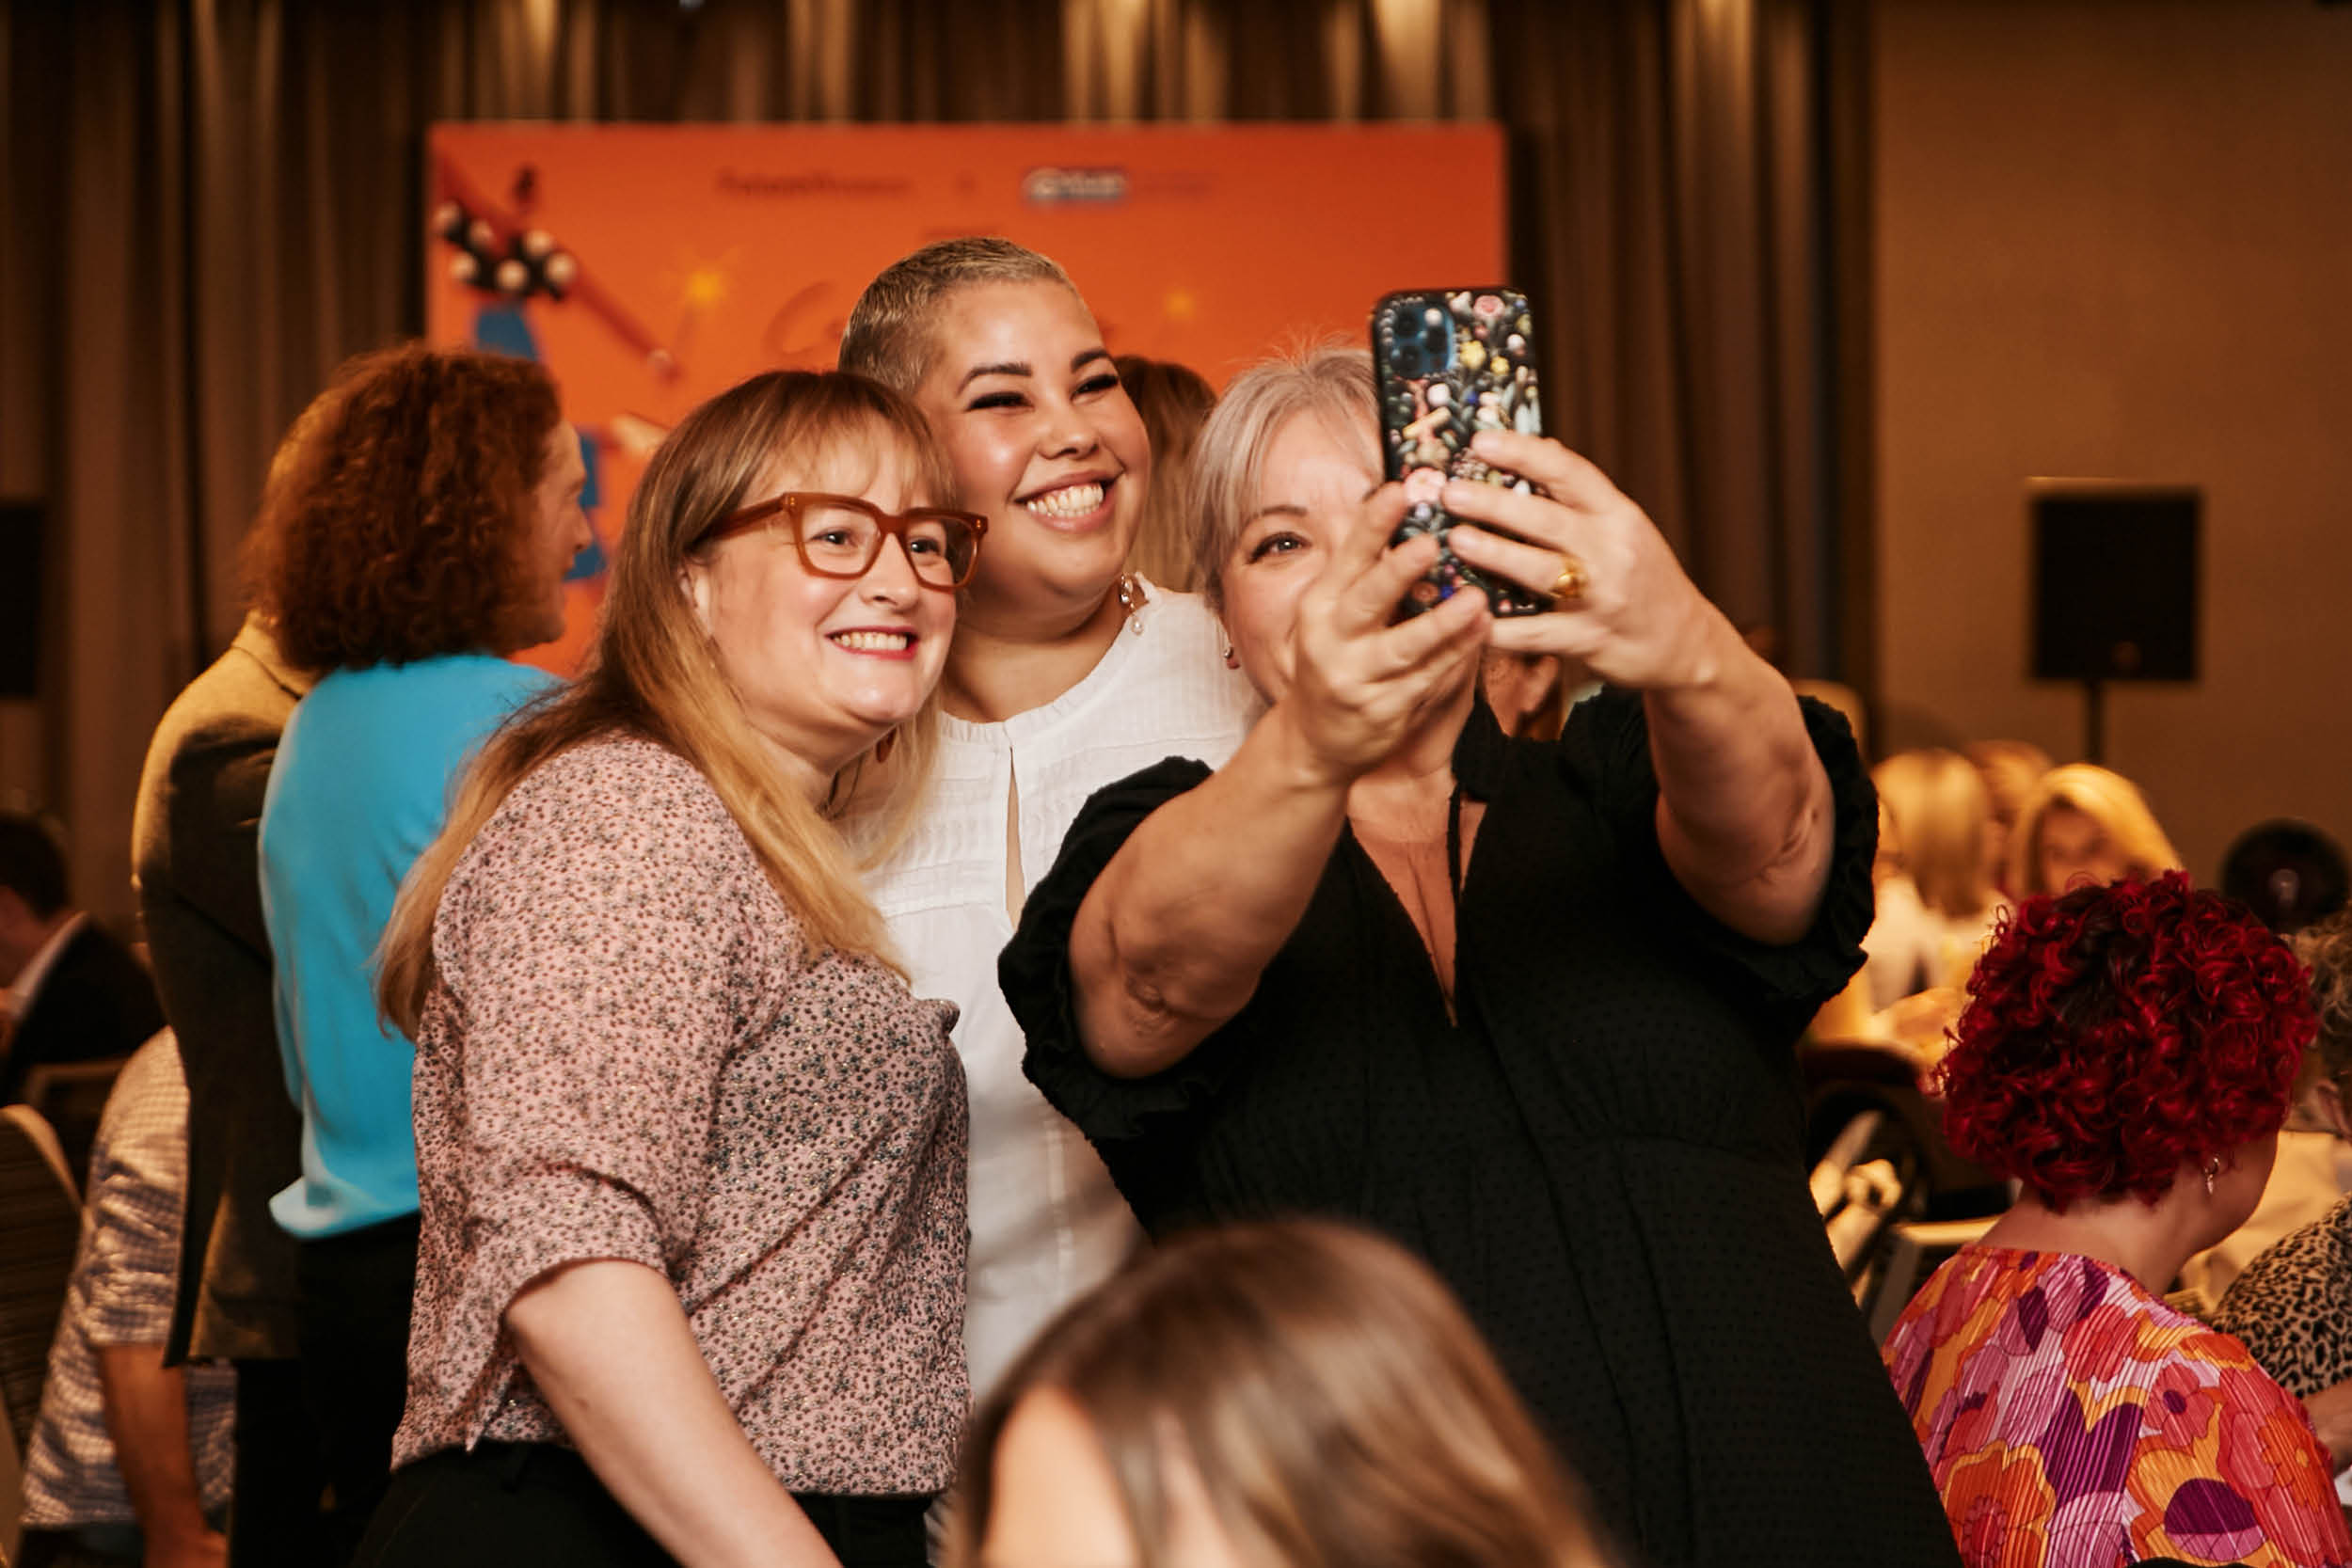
x,y
841,536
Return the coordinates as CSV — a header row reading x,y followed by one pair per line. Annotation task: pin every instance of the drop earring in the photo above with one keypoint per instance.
x,y
1132,598
2212,1169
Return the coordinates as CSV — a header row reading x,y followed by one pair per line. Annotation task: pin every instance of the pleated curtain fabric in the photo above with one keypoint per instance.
x,y
211,203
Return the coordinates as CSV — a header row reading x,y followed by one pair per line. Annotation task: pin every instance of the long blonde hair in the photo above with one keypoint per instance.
x,y
1328,1391
652,672
1943,818
2107,799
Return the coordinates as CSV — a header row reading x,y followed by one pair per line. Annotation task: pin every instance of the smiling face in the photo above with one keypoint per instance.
x,y
1310,488
555,531
824,666
1046,444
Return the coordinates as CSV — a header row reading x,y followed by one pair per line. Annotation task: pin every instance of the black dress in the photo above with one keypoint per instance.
x,y
1602,1154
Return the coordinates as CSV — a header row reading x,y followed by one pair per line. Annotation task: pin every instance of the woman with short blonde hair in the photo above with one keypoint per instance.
x,y
2082,821
1307,1395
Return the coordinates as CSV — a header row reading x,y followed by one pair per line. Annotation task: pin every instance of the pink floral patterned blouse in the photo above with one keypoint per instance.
x,y
629,1054
2073,1419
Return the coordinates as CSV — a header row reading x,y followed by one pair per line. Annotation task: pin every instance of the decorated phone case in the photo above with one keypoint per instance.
x,y
1451,362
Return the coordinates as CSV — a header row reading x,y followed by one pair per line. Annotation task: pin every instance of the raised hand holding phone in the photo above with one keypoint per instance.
x,y
1452,363
1362,678
1635,618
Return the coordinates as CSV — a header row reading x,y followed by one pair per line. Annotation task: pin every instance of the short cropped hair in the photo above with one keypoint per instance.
x,y
2114,1033
31,864
393,528
889,336
1330,380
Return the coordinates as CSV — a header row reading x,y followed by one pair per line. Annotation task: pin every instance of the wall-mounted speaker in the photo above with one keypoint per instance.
x,y
24,538
2115,581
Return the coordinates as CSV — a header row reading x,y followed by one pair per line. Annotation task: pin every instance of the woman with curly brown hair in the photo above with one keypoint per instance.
x,y
422,537
2126,1054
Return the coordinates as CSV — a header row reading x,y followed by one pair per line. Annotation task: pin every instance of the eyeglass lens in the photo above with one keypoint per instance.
x,y
845,540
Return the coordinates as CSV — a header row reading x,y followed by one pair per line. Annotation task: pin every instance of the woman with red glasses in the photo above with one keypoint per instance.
x,y
690,1280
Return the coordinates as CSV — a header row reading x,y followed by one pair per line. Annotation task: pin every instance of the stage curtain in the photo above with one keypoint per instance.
x,y
212,202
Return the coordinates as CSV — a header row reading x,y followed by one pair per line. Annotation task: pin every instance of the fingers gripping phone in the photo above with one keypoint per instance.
x,y
1451,362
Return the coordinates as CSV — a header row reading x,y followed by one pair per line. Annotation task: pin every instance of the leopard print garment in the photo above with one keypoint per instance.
x,y
2292,1309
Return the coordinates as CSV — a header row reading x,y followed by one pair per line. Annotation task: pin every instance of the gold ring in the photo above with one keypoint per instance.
x,y
1573,580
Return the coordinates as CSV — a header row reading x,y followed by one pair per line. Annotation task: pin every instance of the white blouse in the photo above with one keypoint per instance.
x,y
1046,1223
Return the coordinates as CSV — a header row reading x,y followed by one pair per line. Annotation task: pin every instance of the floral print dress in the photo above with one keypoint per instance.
x,y
2073,1420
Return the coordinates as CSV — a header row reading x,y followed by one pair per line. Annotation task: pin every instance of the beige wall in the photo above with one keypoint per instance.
x,y
2114,238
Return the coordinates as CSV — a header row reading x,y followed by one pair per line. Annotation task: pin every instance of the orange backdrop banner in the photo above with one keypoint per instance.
x,y
650,266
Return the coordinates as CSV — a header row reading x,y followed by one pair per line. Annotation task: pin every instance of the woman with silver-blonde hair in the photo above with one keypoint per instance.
x,y
1527,1007
2083,823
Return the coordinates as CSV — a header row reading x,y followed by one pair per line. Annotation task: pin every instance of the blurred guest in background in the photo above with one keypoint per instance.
x,y
2126,1054
1172,400
419,536
2081,821
2010,769
2292,1305
1294,1395
1530,1008
194,856
692,1283
1937,912
129,1462
74,994
1068,671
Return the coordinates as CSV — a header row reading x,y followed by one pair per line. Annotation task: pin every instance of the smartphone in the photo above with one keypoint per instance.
x,y
1451,362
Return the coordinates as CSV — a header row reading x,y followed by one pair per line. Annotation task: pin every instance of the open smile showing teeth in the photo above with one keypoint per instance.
x,y
1070,501
873,641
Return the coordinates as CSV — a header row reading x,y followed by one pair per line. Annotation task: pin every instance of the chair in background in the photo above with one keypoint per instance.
x,y
72,1098
40,1226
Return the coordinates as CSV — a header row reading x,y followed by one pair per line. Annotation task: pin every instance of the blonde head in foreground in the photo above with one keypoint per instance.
x,y
1298,1395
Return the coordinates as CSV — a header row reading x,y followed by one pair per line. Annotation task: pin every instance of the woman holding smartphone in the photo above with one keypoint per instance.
x,y
1527,1007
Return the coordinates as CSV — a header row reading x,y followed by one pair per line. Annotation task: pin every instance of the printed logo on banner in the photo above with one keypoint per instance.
x,y
1055,188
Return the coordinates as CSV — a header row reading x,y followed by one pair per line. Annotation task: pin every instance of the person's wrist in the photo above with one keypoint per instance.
x,y
1302,762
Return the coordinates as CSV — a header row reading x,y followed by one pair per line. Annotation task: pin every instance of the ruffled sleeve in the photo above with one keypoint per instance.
x,y
1034,971
1607,742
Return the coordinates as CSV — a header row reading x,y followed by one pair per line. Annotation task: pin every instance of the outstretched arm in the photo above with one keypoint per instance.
x,y
1744,809
1173,936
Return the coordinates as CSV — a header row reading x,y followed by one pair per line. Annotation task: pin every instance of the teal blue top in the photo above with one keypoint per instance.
x,y
360,786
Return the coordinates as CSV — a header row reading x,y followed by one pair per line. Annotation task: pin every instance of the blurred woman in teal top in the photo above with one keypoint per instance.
x,y
423,538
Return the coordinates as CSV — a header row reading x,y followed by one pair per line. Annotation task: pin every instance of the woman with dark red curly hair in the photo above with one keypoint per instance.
x,y
2126,1054
420,536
